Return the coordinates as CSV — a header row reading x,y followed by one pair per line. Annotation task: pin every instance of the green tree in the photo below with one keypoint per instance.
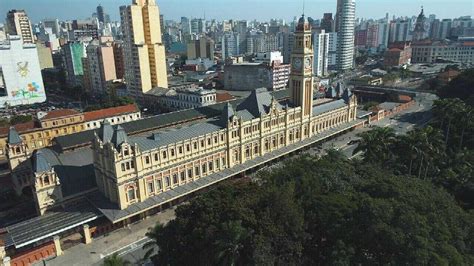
x,y
115,260
230,242
377,144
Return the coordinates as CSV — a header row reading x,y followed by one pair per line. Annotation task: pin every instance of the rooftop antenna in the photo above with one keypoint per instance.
x,y
303,7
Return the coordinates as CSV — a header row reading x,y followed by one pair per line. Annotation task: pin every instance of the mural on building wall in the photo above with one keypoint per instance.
x,y
23,69
33,90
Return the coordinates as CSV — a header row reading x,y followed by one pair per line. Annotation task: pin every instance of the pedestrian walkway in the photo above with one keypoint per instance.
x,y
108,244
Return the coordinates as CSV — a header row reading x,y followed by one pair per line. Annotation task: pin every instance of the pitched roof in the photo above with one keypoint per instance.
x,y
223,97
227,114
40,164
257,103
59,113
19,128
119,136
109,112
13,137
106,132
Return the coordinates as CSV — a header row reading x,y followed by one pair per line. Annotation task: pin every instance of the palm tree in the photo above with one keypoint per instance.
x,y
230,242
115,260
154,233
377,144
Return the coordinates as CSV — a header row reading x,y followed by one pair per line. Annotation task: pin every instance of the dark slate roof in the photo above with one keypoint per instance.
x,y
226,115
13,137
40,164
257,103
119,137
52,223
75,169
173,135
346,95
326,107
84,138
106,131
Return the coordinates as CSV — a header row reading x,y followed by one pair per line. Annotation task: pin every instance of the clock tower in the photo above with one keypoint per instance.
x,y
301,77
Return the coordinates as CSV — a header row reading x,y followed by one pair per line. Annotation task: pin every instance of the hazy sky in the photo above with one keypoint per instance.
x,y
240,9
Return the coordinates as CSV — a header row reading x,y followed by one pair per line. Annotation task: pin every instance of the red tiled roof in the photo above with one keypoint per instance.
x,y
59,113
404,98
223,97
23,127
109,112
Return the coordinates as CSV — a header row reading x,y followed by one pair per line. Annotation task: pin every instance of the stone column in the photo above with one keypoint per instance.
x,y
3,253
6,261
57,246
87,234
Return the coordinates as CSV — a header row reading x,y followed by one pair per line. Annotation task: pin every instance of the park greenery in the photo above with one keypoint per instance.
x,y
408,201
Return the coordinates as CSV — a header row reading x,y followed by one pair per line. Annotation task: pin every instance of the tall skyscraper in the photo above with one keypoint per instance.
x,y
301,77
19,24
230,45
321,53
327,23
100,14
144,52
185,26
345,34
101,65
202,48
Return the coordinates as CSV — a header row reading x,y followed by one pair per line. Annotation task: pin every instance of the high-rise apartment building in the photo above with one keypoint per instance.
x,y
19,24
345,34
144,52
20,73
100,14
185,26
101,65
327,23
72,54
230,45
202,48
400,31
321,53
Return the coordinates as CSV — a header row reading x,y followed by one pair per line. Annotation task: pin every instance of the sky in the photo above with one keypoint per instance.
x,y
240,9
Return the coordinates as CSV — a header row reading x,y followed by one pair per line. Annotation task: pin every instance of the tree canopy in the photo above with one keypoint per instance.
x,y
317,212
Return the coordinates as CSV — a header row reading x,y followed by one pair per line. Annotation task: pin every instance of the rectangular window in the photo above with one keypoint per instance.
x,y
158,185
202,143
167,181
172,152
132,164
190,173
182,176
211,166
149,187
180,150
156,157
188,147
147,159
123,167
164,155
209,141
204,168
195,145
196,170
175,179
217,164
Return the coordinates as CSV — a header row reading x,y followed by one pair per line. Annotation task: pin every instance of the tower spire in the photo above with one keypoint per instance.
x,y
303,7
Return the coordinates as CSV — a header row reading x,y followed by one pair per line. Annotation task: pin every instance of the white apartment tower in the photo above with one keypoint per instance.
x,y
345,20
321,53
144,52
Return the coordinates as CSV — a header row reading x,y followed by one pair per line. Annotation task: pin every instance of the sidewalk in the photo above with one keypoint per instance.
x,y
103,246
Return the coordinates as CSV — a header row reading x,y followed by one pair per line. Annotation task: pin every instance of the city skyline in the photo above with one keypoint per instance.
x,y
233,9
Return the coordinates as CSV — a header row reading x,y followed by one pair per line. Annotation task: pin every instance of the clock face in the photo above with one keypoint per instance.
x,y
307,62
297,63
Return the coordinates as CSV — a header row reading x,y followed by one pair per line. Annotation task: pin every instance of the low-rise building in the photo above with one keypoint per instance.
x,y
443,51
45,127
398,54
